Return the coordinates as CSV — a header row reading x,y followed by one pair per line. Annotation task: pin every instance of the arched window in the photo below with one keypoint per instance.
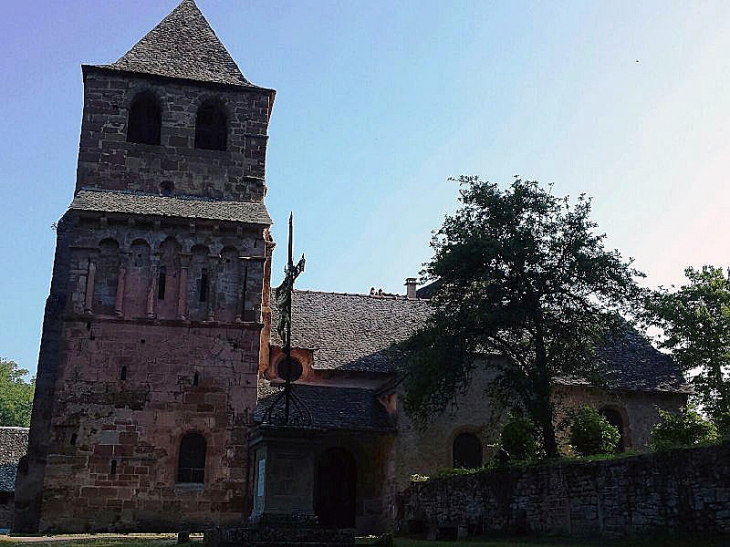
x,y
467,451
145,119
191,461
616,420
211,127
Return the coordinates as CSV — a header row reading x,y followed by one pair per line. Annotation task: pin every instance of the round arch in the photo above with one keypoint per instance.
x,y
617,417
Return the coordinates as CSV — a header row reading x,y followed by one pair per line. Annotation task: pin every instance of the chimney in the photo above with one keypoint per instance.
x,y
410,287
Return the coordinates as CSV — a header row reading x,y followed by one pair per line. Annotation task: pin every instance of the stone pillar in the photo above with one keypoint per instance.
x,y
121,281
241,300
182,298
284,463
212,283
151,296
90,278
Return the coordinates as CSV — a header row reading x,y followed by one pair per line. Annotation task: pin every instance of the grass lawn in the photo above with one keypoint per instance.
x,y
166,540
94,540
558,542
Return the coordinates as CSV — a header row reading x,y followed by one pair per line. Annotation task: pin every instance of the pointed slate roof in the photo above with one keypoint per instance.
x,y
183,46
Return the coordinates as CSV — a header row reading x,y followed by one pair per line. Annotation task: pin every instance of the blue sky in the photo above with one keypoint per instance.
x,y
379,102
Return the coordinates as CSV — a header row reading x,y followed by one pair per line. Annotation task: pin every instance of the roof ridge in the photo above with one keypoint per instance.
x,y
183,45
363,295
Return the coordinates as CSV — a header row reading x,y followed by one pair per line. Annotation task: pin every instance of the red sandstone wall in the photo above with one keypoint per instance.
x,y
138,422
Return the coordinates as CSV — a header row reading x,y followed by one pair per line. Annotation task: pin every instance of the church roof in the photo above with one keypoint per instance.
x,y
340,408
170,206
633,364
183,46
352,332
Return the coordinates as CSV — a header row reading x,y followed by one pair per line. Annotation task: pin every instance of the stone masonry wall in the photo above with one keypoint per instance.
x,y
107,160
116,265
425,450
13,446
684,491
114,441
125,373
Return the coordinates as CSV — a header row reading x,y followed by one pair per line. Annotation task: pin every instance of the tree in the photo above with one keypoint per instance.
x,y
518,273
590,432
16,395
686,428
520,439
695,321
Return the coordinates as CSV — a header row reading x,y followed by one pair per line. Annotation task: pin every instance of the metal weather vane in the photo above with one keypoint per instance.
x,y
289,369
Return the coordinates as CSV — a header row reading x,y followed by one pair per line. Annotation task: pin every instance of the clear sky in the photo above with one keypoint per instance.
x,y
379,102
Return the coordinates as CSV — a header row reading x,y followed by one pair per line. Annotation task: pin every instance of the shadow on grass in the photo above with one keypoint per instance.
x,y
560,542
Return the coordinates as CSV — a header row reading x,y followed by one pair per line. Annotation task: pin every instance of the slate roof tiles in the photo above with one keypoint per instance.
x,y
352,332
183,46
169,206
341,408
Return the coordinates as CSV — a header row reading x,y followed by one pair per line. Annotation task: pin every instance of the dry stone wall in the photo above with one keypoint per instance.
x,y
13,446
684,491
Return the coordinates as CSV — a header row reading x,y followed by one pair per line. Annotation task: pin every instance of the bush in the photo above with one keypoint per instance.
x,y
722,422
686,428
591,434
520,439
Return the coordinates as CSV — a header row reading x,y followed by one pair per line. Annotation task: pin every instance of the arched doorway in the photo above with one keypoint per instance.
x,y
467,451
335,489
616,420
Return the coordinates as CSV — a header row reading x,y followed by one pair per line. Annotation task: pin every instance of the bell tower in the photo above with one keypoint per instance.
x,y
150,349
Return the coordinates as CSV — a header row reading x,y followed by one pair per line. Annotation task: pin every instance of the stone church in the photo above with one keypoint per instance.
x,y
158,361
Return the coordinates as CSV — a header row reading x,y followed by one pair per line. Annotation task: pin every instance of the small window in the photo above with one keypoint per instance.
x,y
467,451
211,127
191,461
166,188
196,379
123,373
145,120
113,469
203,289
162,283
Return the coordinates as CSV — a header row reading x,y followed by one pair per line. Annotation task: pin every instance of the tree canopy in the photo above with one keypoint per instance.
x,y
695,320
521,274
16,395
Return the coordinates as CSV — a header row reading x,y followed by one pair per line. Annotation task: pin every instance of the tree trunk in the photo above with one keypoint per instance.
x,y
543,389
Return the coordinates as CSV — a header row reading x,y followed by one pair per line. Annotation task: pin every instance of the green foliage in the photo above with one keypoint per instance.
x,y
722,422
686,428
519,273
590,432
16,395
520,439
695,321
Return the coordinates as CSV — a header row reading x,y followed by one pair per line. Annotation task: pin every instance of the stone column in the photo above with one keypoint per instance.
x,y
212,282
243,262
182,298
151,296
121,281
90,278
